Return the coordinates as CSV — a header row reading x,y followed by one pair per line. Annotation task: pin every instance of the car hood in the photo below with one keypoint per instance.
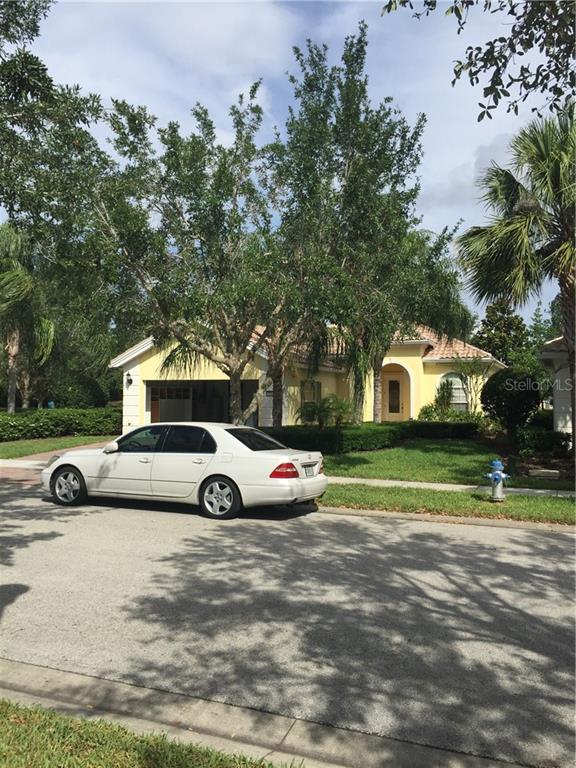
x,y
82,452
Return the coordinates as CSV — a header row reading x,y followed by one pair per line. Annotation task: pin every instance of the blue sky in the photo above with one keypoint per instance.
x,y
171,55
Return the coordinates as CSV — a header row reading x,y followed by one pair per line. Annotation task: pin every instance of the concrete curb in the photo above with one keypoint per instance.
x,y
232,729
444,486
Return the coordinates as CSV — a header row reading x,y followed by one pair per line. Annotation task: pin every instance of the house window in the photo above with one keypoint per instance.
x,y
170,392
459,400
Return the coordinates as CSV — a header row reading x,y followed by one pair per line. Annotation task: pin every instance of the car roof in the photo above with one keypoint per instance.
x,y
204,424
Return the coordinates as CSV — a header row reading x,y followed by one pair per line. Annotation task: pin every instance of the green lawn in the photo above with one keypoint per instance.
x,y
15,448
432,461
542,509
37,738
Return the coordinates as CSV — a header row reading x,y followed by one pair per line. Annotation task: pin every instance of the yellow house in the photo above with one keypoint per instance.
x,y
411,373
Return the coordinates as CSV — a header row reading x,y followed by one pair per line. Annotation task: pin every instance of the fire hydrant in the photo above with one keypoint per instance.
x,y
497,478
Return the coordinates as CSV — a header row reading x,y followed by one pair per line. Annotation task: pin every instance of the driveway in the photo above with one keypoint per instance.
x,y
455,636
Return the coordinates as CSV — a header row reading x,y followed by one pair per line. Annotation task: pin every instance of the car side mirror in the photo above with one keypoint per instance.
x,y
111,447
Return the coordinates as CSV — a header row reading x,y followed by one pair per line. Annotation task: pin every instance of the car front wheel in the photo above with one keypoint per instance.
x,y
68,487
219,498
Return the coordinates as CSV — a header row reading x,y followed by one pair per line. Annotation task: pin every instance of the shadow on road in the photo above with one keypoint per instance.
x,y
379,628
457,637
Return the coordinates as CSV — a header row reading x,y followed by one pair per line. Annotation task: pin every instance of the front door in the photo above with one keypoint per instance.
x,y
393,398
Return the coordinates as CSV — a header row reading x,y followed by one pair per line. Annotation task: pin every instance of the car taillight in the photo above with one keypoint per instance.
x,y
321,467
285,470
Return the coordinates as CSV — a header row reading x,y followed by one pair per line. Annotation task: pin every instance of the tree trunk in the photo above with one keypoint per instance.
x,y
377,410
24,386
567,300
277,376
12,351
359,391
235,398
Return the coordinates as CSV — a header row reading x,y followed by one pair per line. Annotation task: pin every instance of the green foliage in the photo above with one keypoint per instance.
x,y
78,392
341,410
443,430
331,440
531,237
60,421
502,332
540,330
330,410
545,30
443,398
534,440
543,419
511,396
431,413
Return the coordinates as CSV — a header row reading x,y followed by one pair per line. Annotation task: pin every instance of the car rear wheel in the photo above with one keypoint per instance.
x,y
68,487
220,498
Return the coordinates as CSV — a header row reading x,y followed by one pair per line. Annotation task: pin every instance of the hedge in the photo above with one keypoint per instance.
x,y
441,430
536,441
56,422
332,440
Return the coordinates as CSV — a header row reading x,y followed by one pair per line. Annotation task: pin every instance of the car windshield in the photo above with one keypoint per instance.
x,y
255,440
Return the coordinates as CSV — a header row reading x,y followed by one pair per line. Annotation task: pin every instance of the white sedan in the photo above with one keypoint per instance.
x,y
221,467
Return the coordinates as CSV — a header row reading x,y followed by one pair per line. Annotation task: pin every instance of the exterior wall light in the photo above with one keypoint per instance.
x,y
128,379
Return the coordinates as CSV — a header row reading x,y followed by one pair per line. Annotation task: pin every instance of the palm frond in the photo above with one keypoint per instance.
x,y
12,244
44,335
16,285
181,358
500,259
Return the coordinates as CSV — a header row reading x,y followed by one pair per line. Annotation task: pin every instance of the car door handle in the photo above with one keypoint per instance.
x,y
197,461
144,461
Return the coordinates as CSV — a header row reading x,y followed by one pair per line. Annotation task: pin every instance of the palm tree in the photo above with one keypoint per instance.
x,y
530,237
24,330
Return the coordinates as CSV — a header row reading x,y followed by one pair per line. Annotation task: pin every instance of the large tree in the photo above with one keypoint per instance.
x,y
542,28
27,333
530,237
190,220
502,332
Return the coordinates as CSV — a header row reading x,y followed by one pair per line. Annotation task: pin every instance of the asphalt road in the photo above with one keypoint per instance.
x,y
455,636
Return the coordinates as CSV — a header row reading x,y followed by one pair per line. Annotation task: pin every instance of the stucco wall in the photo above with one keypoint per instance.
x,y
563,398
332,383
423,383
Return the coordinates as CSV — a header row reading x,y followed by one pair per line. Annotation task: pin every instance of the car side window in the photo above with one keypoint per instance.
x,y
186,439
143,440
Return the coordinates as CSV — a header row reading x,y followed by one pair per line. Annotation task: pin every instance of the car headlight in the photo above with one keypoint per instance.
x,y
51,460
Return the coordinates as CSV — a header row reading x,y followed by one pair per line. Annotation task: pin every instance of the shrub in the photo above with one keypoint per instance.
x,y
60,421
428,413
330,410
332,440
431,413
511,396
543,419
443,399
442,430
535,441
79,392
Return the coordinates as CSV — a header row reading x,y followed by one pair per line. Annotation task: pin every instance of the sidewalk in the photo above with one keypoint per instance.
x,y
226,727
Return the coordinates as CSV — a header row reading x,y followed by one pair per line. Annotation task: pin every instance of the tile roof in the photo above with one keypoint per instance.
x,y
443,348
555,345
